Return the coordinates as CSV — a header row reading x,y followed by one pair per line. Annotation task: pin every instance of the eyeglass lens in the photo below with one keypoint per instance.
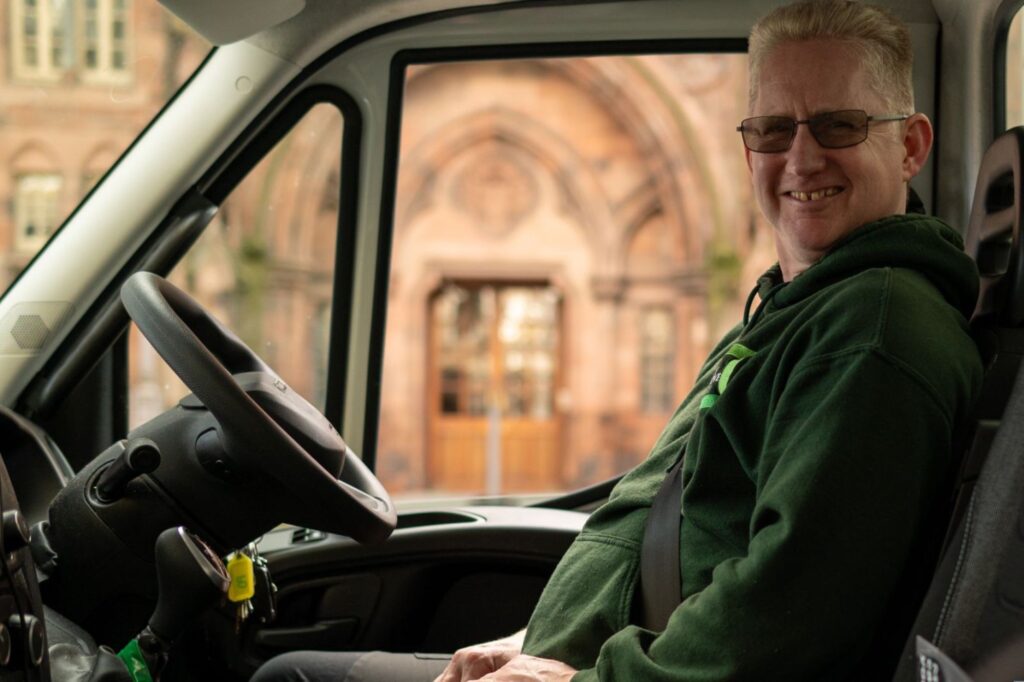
x,y
834,130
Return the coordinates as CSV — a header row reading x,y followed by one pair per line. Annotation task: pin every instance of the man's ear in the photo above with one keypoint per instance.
x,y
917,144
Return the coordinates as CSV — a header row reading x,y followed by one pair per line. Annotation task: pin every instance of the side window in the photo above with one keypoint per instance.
x,y
570,235
81,79
1015,72
264,267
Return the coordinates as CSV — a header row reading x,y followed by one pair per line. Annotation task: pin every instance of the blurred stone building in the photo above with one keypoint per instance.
x,y
571,236
78,80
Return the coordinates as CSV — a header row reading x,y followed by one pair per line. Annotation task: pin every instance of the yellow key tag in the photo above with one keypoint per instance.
x,y
243,580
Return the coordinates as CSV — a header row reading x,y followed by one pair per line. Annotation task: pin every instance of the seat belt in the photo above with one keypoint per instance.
x,y
659,554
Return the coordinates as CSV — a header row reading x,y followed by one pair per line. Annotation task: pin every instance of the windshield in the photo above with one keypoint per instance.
x,y
83,78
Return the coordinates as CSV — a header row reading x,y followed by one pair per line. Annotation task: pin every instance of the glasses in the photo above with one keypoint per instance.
x,y
832,130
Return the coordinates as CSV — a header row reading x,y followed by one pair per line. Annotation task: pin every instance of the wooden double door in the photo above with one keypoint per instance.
x,y
494,380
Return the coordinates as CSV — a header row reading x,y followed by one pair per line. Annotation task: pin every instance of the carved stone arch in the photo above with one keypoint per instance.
x,y
298,179
640,207
662,130
316,161
660,121
34,157
646,213
581,192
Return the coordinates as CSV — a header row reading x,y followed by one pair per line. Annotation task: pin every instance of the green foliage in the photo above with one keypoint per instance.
x,y
723,267
252,265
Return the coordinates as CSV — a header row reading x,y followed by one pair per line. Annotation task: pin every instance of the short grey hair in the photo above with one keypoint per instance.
x,y
882,39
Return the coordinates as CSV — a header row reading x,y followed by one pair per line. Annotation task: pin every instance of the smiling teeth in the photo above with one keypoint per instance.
x,y
815,195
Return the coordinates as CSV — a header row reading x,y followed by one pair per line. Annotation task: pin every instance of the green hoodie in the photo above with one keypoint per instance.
x,y
808,483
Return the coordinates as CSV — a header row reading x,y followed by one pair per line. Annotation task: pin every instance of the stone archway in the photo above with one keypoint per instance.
x,y
500,185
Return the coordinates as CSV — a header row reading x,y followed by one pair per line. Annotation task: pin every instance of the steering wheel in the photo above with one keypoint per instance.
x,y
209,359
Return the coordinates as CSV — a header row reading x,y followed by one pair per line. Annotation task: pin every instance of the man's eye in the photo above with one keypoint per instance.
x,y
772,129
836,125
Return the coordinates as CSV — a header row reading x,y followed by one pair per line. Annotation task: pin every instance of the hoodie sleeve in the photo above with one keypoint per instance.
x,y
855,454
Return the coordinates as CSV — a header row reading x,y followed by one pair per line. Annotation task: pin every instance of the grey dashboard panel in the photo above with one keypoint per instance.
x,y
479,531
443,580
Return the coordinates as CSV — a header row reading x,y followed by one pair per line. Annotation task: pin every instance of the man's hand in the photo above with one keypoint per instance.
x,y
478,660
525,668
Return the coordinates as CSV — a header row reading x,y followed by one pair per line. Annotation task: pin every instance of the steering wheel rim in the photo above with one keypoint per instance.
x,y
205,354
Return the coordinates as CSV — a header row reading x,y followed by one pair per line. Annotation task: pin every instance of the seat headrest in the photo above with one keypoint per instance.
x,y
994,231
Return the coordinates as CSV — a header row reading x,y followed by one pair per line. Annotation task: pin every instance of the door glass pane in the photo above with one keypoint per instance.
x,y
264,267
562,257
463,319
1015,73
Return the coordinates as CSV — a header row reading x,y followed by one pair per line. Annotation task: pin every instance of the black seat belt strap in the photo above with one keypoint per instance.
x,y
659,554
660,576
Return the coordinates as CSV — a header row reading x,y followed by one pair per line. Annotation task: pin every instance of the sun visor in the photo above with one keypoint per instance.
x,y
227,21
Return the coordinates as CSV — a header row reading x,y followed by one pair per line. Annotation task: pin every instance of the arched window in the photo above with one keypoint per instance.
x,y
36,209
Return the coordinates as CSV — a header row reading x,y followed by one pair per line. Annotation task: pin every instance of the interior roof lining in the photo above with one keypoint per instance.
x,y
328,22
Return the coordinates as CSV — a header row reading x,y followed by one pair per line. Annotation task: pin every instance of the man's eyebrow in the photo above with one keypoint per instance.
x,y
816,112
827,110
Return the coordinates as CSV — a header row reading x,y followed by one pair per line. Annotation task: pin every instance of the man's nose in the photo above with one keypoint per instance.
x,y
805,156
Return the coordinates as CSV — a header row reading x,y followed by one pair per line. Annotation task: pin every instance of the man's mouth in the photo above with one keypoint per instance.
x,y
816,195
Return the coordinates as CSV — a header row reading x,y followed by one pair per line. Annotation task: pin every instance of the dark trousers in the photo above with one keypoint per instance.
x,y
330,666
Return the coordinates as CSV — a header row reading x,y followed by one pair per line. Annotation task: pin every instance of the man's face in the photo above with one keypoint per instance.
x,y
856,184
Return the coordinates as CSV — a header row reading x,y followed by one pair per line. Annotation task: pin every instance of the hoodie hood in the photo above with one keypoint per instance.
x,y
916,242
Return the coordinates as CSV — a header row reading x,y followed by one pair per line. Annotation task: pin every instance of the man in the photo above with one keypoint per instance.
x,y
812,465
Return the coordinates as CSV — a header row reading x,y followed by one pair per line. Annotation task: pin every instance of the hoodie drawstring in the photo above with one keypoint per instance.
x,y
748,319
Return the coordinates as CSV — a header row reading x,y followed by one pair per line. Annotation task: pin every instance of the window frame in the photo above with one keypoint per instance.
x,y
49,397
1000,68
400,61
245,157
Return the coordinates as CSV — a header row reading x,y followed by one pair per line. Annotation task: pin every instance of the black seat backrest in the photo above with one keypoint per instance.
x,y
994,241
993,233
975,602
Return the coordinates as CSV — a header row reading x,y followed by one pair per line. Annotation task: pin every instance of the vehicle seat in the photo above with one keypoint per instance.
x,y
975,604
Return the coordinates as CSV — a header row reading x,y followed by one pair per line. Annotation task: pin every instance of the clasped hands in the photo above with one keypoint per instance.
x,y
503,661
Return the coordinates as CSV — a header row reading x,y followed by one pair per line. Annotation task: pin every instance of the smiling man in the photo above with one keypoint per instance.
x,y
826,152
818,441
